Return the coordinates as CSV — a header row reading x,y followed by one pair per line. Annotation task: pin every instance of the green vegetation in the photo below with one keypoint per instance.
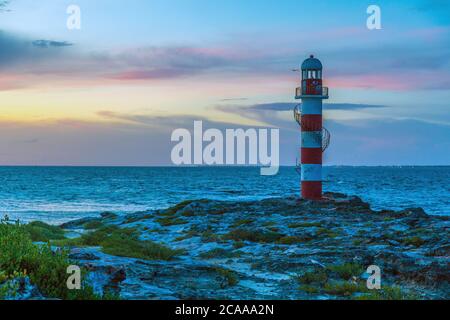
x,y
241,222
182,238
122,242
238,244
137,217
170,221
20,257
217,210
289,240
327,232
188,213
210,236
319,277
173,210
230,276
358,242
108,215
344,288
387,293
304,225
309,289
347,270
253,235
95,224
320,281
42,232
413,241
269,224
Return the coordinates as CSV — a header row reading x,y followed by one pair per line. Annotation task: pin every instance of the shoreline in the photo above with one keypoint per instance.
x,y
277,248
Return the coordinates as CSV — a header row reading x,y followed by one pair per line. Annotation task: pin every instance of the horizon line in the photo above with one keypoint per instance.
x,y
213,166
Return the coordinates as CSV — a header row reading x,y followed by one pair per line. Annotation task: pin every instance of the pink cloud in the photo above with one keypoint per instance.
x,y
392,81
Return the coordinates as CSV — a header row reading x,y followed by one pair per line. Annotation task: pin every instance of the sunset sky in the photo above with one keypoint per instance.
x,y
112,92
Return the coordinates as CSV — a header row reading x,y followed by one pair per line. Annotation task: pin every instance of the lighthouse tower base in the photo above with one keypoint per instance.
x,y
312,190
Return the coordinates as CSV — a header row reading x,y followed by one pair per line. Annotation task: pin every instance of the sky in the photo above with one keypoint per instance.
x,y
112,92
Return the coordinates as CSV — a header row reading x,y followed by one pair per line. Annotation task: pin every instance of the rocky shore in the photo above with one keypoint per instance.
x,y
274,249
271,249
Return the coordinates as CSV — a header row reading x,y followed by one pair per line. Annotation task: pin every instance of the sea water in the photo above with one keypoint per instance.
x,y
59,194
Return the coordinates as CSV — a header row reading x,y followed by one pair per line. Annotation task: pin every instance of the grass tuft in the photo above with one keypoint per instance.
x,y
95,224
122,242
42,232
231,278
253,236
347,271
414,241
170,221
318,277
344,288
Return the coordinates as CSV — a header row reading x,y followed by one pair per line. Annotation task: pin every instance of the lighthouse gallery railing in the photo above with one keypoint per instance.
x,y
301,91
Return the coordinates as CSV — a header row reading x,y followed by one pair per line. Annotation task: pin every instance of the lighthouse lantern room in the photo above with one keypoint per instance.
x,y
314,138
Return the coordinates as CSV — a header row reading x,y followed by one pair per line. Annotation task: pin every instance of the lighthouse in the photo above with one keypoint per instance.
x,y
314,138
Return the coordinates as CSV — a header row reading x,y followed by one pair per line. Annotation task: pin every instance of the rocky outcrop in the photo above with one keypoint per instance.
x,y
19,288
276,249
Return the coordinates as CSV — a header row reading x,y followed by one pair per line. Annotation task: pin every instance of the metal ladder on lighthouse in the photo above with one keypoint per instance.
x,y
326,136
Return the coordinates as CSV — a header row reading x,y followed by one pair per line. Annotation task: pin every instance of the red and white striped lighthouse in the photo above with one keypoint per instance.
x,y
315,138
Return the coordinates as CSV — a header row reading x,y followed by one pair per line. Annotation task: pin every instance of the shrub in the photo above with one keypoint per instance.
x,y
95,224
304,225
173,210
229,275
387,293
46,268
309,289
170,221
241,222
344,288
347,270
317,277
414,241
289,240
42,232
327,233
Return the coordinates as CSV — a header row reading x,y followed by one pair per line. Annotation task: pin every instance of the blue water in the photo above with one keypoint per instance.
x,y
58,194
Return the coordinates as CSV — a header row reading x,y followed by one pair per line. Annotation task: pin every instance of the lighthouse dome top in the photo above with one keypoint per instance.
x,y
312,64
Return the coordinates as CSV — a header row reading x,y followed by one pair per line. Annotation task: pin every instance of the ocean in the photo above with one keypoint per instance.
x,y
60,194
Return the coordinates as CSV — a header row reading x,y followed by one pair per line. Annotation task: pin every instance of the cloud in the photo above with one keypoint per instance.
x,y
3,4
51,43
234,99
287,106
146,141
18,52
152,74
407,60
165,62
24,57
149,120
